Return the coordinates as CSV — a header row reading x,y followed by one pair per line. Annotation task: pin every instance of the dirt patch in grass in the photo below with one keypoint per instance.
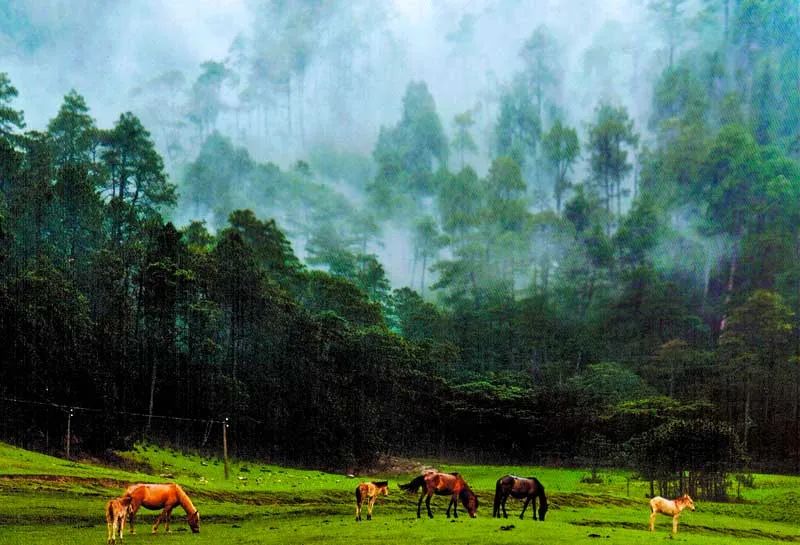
x,y
59,482
753,533
395,465
582,500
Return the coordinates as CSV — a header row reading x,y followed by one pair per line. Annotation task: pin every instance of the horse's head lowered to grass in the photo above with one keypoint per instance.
x,y
194,522
469,500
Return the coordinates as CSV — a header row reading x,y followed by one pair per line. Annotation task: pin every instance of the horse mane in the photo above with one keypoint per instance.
x,y
186,503
380,483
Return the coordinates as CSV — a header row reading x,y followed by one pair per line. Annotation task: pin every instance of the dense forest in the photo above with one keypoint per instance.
x,y
594,291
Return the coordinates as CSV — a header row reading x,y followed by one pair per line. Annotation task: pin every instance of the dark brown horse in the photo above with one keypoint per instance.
x,y
162,496
521,488
443,484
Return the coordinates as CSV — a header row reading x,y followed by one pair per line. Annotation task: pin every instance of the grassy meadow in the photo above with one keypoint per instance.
x,y
45,500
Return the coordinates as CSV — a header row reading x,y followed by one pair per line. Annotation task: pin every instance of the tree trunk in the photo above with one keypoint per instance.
x,y
422,281
300,108
289,107
730,285
746,431
153,375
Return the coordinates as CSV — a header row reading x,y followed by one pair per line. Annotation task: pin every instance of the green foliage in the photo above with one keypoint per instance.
x,y
690,287
408,152
463,142
672,22
689,456
541,72
460,200
136,181
756,345
9,117
212,179
417,320
205,102
323,292
678,98
519,125
609,137
611,383
271,247
561,149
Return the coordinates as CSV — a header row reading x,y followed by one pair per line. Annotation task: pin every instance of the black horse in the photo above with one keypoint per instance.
x,y
521,488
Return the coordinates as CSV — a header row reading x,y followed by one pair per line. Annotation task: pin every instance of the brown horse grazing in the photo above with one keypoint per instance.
x,y
369,492
672,508
443,484
162,496
116,512
521,488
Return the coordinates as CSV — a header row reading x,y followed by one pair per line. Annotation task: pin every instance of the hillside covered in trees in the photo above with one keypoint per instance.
x,y
575,290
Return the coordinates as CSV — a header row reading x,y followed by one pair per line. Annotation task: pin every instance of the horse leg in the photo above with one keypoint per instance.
x,y
428,505
419,503
369,507
524,506
675,524
134,507
533,507
358,511
159,520
503,505
169,517
455,506
121,526
652,521
110,525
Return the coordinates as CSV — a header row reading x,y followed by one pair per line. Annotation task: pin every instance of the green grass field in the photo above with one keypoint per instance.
x,y
45,500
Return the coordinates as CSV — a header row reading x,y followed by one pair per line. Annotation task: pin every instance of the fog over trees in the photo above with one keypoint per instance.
x,y
317,82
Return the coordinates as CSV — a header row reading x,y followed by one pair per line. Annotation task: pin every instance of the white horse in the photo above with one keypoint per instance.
x,y
672,508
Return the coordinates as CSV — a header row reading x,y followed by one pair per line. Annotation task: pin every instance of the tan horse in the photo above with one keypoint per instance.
x,y
443,484
162,496
671,508
369,492
116,512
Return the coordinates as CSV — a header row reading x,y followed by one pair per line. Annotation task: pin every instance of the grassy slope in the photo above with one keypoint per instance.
x,y
48,500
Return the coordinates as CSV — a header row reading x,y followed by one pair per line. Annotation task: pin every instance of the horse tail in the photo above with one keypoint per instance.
x,y
110,511
358,495
498,496
414,485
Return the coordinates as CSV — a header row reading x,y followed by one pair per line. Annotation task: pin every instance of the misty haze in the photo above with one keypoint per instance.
x,y
359,234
